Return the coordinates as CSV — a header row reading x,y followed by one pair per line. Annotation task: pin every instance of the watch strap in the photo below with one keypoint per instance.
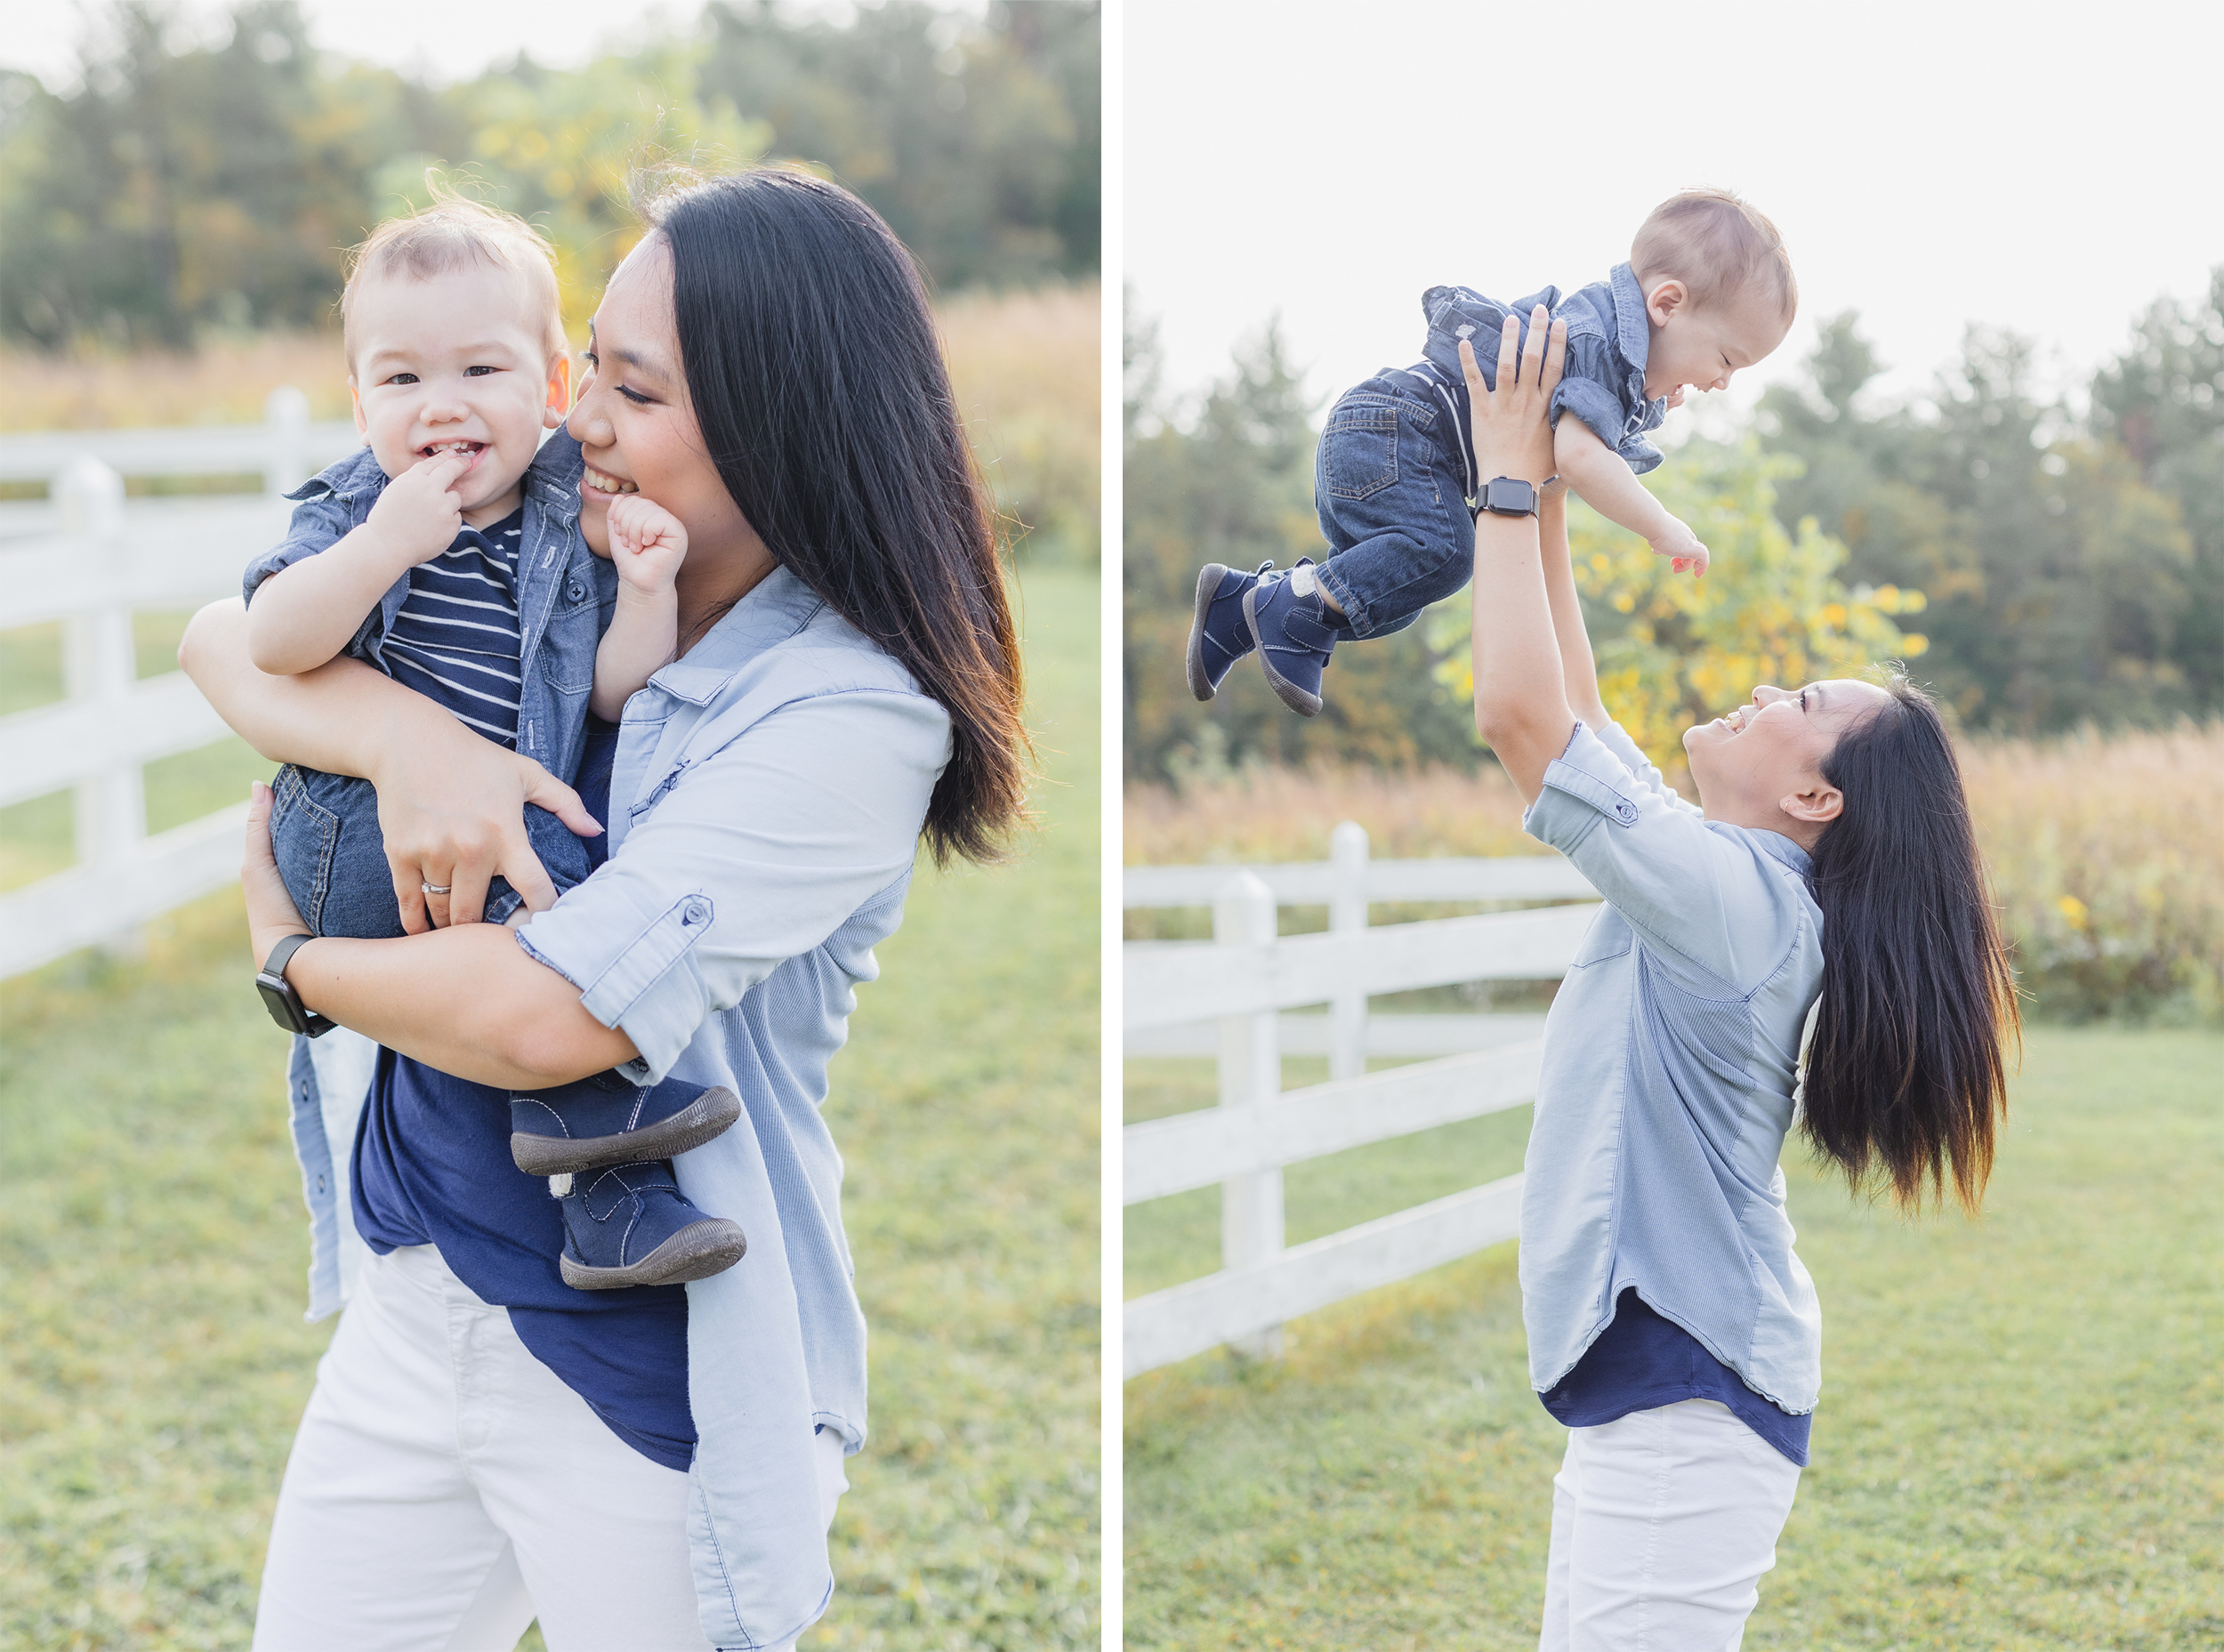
x,y
273,972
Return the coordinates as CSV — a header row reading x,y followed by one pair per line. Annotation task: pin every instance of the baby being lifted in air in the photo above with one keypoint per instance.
x,y
1707,292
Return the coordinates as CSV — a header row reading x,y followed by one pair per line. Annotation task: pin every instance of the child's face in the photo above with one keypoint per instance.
x,y
1703,346
457,360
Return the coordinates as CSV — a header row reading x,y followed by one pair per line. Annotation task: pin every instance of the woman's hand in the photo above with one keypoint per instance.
x,y
452,815
271,914
1512,437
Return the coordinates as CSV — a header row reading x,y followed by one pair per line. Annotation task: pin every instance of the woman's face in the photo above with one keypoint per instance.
x,y
1762,765
636,425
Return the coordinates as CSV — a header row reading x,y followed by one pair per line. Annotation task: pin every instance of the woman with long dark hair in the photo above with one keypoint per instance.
x,y
1826,892
650,1467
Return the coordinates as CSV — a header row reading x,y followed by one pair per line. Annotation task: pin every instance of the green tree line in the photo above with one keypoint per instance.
x,y
2040,565
174,190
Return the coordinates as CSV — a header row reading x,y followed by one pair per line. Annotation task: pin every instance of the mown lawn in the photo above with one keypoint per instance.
x,y
2020,1442
153,1362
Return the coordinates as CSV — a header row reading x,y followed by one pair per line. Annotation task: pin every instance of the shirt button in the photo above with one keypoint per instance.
x,y
1626,811
695,912
574,590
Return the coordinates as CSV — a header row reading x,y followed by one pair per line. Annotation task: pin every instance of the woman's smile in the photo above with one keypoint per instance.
x,y
594,481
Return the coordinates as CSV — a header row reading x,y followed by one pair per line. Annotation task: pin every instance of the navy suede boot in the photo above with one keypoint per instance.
x,y
1294,633
605,1120
630,1225
1218,635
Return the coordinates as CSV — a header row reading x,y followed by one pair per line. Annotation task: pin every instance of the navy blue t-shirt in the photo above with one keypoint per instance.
x,y
432,1166
1642,1360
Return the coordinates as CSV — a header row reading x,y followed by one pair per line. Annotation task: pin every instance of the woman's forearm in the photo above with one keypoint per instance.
x,y
1579,671
340,718
524,1030
1520,698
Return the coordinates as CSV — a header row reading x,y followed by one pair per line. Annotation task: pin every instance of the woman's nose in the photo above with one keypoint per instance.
x,y
1768,694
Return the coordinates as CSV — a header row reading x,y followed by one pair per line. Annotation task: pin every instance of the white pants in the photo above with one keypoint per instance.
x,y
1663,1522
445,1488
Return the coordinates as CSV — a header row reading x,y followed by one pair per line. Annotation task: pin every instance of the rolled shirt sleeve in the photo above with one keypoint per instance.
x,y
741,859
1689,886
1586,390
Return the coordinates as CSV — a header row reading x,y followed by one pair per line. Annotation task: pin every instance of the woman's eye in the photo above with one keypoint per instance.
x,y
1802,699
634,396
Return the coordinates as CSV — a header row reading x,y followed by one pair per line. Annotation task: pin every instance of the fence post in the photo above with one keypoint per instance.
x,y
285,463
1347,914
99,663
1250,1073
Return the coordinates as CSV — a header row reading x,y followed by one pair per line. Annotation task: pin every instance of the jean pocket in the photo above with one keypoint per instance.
x,y
304,837
1358,450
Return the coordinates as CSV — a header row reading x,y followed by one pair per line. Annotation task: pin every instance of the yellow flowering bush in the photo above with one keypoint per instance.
x,y
1673,650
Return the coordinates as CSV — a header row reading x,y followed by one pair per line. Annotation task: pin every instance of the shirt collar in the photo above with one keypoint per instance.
x,y
1779,847
1634,331
777,607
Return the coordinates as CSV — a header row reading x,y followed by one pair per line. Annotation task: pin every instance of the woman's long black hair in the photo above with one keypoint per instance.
x,y
819,385
1906,1076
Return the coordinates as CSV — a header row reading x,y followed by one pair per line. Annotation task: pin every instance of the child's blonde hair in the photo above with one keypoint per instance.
x,y
1718,246
454,234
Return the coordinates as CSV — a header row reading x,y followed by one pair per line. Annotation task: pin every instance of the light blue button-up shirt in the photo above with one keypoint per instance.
x,y
766,803
1670,1057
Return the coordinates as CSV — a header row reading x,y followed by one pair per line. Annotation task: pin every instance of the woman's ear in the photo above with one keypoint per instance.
x,y
1815,805
1666,298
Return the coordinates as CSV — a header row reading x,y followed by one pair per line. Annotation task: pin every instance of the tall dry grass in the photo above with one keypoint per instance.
x,y
1025,367
2107,851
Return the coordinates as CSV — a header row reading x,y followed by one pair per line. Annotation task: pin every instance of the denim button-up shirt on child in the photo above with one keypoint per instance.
x,y
1670,1060
565,591
1602,382
765,809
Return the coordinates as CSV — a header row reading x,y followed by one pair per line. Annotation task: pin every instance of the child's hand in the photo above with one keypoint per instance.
x,y
1674,397
647,544
1683,549
420,512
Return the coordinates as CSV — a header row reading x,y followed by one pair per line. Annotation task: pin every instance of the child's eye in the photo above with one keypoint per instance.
x,y
479,372
403,378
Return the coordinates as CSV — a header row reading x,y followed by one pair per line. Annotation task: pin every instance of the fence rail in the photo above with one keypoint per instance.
x,y
1241,982
106,562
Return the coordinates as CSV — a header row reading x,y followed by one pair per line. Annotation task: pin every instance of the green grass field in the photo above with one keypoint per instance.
x,y
2020,1442
153,1362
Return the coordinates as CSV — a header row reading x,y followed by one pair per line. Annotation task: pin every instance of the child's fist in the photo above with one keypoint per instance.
x,y
1683,549
647,544
420,512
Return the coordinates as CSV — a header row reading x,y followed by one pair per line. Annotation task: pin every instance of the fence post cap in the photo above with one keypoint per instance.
x,y
287,406
89,496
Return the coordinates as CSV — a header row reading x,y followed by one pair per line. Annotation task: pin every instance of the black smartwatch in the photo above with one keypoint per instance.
x,y
278,997
1506,496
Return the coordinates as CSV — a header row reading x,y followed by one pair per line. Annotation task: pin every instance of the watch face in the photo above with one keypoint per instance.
x,y
279,1003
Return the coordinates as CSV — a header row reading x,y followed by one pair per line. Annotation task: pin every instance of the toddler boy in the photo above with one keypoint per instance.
x,y
1708,292
447,554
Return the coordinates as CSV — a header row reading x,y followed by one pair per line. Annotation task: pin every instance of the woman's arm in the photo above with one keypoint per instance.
x,y
1521,704
1579,672
451,805
467,1000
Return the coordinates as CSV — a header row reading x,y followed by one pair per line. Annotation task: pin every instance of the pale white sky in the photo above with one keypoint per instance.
x,y
2048,167
433,37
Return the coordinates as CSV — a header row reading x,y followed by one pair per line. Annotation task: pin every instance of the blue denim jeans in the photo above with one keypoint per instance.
x,y
1391,507
323,829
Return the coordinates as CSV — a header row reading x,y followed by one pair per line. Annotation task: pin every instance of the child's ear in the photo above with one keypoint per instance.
x,y
355,406
558,407
1666,299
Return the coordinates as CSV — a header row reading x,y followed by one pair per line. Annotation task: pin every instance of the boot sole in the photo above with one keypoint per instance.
x,y
708,1117
1301,701
1208,581
696,1252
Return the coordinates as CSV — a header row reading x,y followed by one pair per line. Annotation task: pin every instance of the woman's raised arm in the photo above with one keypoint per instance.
x,y
451,805
1521,702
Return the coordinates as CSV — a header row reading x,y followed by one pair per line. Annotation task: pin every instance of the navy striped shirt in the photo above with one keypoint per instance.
x,y
456,639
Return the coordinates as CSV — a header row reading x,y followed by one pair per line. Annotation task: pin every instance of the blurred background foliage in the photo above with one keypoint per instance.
x,y
2043,566
186,187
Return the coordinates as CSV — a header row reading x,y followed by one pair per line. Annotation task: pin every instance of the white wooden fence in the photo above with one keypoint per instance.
x,y
1241,982
91,564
